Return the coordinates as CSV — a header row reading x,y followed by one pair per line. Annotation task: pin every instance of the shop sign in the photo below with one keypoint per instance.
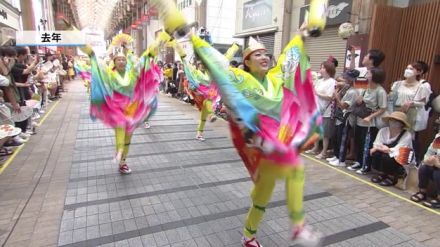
x,y
257,13
337,11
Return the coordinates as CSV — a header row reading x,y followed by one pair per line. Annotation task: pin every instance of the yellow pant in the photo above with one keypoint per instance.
x,y
268,173
123,140
204,113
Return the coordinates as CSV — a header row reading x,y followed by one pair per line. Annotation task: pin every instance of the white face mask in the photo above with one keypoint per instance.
x,y
408,73
395,124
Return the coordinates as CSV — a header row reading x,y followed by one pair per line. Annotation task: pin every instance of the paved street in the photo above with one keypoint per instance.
x,y
63,189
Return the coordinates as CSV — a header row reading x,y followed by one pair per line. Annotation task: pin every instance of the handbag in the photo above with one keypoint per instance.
x,y
361,110
339,113
422,117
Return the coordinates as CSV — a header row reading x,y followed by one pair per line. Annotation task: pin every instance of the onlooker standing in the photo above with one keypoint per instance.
x,y
324,88
168,74
65,68
346,121
20,73
410,96
70,71
373,102
179,81
7,61
373,59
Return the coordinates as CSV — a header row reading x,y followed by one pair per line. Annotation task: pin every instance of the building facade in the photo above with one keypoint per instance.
x,y
9,21
263,20
216,18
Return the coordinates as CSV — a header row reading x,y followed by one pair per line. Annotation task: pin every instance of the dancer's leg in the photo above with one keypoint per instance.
x,y
303,236
127,142
294,195
204,113
120,141
261,194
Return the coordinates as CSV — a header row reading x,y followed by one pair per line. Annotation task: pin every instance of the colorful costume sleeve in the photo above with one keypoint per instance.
x,y
230,53
83,70
298,90
284,113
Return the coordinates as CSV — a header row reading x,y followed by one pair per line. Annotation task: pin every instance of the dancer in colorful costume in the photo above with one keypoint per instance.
x,y
124,94
273,117
202,90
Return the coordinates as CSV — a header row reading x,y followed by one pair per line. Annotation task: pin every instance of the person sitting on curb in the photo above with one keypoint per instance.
x,y
390,145
429,171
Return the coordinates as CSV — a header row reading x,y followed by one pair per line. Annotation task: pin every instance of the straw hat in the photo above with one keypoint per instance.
x,y
399,116
254,45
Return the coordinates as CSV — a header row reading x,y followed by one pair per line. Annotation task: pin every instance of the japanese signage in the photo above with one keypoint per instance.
x,y
257,13
50,38
337,11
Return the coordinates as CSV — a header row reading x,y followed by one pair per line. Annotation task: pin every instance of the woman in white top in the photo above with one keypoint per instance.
x,y
410,96
324,89
391,149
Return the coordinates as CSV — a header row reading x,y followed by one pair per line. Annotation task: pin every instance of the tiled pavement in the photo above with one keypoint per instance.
x,y
181,193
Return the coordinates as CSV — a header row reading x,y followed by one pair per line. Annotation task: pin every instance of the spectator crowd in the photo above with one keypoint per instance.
x,y
367,128
29,82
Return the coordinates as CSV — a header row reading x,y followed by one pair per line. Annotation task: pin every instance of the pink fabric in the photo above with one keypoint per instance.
x,y
293,128
122,111
86,76
209,92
